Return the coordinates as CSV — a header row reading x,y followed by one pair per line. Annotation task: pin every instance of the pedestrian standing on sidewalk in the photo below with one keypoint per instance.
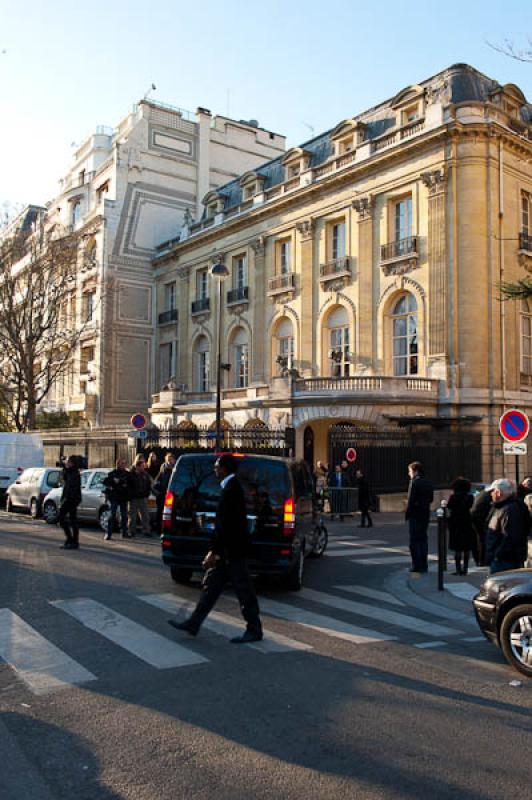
x,y
227,558
506,536
460,523
117,492
70,500
364,499
160,486
139,491
153,465
420,496
479,514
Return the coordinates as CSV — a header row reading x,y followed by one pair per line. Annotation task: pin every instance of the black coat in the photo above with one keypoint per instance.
x,y
364,494
420,496
231,536
117,485
71,493
459,521
506,535
160,484
139,483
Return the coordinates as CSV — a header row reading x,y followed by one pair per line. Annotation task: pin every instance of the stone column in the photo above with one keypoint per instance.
x,y
435,181
364,347
306,333
257,279
183,305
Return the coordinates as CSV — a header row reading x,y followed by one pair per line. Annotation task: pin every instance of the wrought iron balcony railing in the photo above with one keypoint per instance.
x,y
201,305
168,316
285,282
525,241
335,268
239,295
400,248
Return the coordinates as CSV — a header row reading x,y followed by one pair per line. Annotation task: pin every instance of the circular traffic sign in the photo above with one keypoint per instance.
x,y
514,425
351,454
138,421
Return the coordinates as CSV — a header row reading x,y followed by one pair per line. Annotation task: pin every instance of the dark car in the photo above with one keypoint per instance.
x,y
503,608
281,509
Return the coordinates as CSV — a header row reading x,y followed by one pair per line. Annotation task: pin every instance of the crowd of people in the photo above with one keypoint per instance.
x,y
127,491
343,476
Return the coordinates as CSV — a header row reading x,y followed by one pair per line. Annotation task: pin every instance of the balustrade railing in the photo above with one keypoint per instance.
x,y
286,282
399,248
334,268
203,304
366,383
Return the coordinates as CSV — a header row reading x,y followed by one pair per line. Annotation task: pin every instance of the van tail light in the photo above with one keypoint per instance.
x,y
167,509
289,517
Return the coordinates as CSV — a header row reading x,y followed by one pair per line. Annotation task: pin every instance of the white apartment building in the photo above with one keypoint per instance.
x,y
128,190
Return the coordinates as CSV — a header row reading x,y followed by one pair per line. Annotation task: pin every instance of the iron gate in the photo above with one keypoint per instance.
x,y
384,455
179,440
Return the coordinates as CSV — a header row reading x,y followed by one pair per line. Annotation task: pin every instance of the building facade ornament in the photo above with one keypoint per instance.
x,y
306,228
435,180
259,247
364,207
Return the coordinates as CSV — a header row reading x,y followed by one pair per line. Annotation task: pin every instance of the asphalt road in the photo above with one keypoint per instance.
x,y
360,690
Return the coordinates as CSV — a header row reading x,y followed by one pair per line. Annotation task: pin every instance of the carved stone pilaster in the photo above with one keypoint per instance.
x,y
364,207
306,228
259,247
435,180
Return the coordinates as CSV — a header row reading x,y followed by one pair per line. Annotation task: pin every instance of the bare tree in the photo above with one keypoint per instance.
x,y
509,49
38,317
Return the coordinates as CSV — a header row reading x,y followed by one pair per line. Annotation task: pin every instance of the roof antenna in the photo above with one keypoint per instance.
x,y
310,127
150,90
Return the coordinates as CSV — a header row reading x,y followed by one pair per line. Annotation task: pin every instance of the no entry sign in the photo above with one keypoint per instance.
x,y
351,454
514,425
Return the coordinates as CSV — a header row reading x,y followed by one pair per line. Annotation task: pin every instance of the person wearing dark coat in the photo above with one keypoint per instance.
x,y
479,515
160,486
139,491
364,499
153,465
117,491
420,496
460,524
70,500
227,558
506,536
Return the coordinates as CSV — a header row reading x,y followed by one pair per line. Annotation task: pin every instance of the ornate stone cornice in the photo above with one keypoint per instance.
x,y
435,180
306,228
364,207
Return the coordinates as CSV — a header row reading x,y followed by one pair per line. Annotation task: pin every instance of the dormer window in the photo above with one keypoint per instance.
x,y
296,161
251,183
294,171
410,114
214,203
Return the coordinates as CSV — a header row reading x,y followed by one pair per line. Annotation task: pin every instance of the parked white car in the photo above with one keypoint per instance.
x,y
94,506
17,452
27,493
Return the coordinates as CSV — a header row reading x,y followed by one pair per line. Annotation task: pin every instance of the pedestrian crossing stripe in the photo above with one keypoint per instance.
x,y
42,666
374,594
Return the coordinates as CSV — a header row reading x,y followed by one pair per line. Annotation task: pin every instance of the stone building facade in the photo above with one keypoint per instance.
x,y
129,189
364,276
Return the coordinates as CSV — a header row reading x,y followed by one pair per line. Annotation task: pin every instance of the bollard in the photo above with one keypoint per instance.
x,y
442,545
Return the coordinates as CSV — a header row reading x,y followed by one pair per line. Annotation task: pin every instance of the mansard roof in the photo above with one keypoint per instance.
x,y
458,83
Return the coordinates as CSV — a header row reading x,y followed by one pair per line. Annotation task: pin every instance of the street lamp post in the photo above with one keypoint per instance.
x,y
220,272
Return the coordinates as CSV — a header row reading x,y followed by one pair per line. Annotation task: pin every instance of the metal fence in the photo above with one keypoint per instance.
x,y
385,455
268,441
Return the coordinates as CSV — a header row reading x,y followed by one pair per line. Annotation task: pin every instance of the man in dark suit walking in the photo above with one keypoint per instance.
x,y
420,496
227,558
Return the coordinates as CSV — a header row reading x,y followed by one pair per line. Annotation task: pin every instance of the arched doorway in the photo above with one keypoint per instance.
x,y
308,446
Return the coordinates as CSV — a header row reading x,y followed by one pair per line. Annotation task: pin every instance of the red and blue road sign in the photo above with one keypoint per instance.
x,y
514,425
138,421
350,454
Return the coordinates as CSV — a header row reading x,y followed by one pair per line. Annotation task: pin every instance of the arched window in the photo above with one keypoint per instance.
x,y
202,364
90,254
338,353
404,335
240,358
284,346
526,339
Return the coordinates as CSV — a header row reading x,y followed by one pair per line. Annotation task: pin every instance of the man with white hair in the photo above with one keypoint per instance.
x,y
506,536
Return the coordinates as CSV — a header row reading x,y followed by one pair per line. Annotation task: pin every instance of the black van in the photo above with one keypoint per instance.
x,y
281,509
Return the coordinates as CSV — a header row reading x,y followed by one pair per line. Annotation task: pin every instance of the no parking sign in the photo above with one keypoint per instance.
x,y
514,425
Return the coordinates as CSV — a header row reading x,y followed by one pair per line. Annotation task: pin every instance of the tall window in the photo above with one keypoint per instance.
x,y
337,240
240,358
526,213
338,343
202,364
89,300
75,214
404,334
240,278
284,260
285,346
169,296
403,219
202,284
526,339
166,362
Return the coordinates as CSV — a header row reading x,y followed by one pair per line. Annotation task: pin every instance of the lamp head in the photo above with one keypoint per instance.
x,y
219,271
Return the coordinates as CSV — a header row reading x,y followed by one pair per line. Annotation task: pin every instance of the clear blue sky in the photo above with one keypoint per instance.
x,y
70,66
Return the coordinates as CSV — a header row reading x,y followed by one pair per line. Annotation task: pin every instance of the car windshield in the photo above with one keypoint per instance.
x,y
266,484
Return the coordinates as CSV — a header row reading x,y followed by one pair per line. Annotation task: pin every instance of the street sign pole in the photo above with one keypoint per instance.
x,y
517,470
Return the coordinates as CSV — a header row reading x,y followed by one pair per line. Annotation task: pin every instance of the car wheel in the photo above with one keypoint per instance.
x,y
322,539
293,580
516,638
180,575
34,508
50,512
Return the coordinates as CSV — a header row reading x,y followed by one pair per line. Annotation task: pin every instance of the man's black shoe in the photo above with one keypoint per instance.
x,y
66,546
184,626
247,637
